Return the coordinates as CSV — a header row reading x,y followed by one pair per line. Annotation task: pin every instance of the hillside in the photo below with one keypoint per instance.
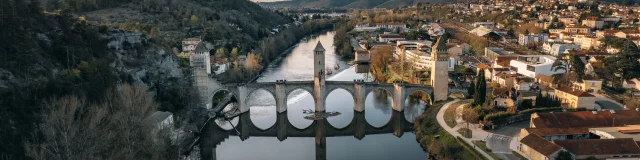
x,y
348,3
90,47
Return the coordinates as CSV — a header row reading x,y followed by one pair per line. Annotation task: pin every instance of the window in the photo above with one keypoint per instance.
x,y
514,68
531,68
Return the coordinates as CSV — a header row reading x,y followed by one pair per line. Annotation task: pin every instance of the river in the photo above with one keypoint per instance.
x,y
297,66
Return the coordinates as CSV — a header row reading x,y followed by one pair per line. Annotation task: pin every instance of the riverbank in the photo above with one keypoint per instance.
x,y
435,140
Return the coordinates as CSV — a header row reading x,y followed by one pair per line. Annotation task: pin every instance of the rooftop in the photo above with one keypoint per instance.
x,y
586,119
630,131
575,92
541,145
545,78
557,131
622,146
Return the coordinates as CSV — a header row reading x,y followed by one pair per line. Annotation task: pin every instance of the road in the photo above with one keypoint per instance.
x,y
503,140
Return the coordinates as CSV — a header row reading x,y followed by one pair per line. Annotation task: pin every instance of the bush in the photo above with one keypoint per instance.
x,y
533,110
526,104
497,116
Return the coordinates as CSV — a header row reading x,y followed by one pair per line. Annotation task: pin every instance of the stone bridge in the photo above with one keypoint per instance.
x,y
213,135
358,90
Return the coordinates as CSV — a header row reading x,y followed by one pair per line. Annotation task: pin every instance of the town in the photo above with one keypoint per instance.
x,y
320,79
545,79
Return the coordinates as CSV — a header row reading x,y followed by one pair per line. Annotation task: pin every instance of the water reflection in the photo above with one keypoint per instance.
x,y
282,130
293,137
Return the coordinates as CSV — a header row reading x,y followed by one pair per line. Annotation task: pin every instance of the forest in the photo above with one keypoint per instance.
x,y
56,54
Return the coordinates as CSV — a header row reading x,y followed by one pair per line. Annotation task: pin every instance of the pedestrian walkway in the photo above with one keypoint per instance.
x,y
477,134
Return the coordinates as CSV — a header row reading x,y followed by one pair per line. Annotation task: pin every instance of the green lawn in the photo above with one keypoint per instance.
x,y
432,137
483,146
450,116
450,113
465,132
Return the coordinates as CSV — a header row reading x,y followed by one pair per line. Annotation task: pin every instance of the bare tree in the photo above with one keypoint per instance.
x,y
469,116
117,128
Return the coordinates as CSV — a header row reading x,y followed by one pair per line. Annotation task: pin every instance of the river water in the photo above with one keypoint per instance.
x,y
297,66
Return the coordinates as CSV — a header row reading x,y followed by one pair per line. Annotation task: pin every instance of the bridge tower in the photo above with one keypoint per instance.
x,y
319,77
440,70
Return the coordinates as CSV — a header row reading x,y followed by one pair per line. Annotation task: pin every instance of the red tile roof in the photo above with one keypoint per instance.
x,y
540,145
586,119
621,146
500,91
557,131
575,92
482,66
544,78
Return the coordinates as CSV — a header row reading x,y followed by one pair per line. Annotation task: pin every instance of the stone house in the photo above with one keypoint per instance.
x,y
535,147
574,98
588,84
523,84
502,97
162,119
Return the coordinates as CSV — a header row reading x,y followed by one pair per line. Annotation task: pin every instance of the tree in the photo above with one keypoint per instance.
x,y
193,21
471,89
526,104
564,155
578,67
511,32
234,53
73,128
469,115
481,89
253,62
220,52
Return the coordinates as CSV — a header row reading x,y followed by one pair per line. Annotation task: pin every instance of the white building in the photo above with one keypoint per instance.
x,y
488,25
481,31
532,65
537,38
391,26
418,54
557,49
162,119
435,30
221,65
386,38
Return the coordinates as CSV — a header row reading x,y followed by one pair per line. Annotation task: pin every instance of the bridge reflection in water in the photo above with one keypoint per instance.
x,y
213,135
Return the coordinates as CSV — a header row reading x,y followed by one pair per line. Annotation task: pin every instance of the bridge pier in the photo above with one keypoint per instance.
x,y
397,119
360,95
398,101
244,127
321,139
361,125
318,94
242,99
281,96
282,123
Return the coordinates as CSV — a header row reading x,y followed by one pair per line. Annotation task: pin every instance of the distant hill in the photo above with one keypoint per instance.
x,y
348,3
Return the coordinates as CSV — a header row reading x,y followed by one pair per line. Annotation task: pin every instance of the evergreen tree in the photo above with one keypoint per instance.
x,y
481,89
539,99
471,89
577,66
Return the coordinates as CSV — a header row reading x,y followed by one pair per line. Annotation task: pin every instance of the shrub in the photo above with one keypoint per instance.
x,y
497,116
533,110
